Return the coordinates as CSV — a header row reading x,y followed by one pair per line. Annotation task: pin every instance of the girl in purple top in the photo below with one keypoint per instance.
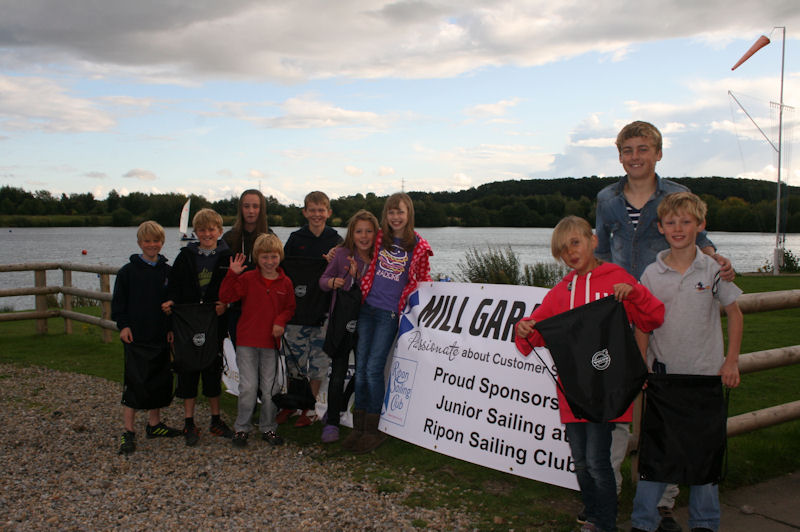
x,y
347,267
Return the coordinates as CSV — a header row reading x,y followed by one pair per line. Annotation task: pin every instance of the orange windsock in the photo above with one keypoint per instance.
x,y
758,45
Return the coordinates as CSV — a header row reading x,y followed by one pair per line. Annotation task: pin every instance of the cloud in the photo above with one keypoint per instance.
x,y
181,40
96,175
142,175
39,104
353,171
385,170
488,110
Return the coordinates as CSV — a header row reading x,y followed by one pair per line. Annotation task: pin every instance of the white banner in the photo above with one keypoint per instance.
x,y
457,385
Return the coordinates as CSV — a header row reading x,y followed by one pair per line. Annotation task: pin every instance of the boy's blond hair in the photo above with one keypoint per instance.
x,y
639,129
152,230
567,226
205,218
267,243
683,202
317,197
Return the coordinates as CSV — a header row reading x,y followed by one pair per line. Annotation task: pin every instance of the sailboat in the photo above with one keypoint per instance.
x,y
183,227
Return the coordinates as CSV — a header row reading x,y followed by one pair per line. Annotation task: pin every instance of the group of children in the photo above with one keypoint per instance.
x,y
264,293
649,251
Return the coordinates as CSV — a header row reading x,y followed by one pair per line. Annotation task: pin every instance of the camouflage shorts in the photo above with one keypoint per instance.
x,y
305,343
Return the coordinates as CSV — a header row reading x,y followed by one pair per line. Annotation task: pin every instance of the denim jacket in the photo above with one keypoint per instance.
x,y
619,242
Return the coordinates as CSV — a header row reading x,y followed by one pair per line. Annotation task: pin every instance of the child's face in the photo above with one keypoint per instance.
x,y
151,247
578,252
316,214
268,263
639,156
397,218
251,208
680,229
208,236
364,235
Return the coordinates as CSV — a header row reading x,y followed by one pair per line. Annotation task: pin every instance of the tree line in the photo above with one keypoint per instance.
x,y
734,205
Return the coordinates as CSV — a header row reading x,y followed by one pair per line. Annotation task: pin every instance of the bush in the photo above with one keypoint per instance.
x,y
546,274
791,263
496,266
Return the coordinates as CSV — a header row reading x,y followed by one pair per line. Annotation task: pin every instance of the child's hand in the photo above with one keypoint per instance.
x,y
170,337
277,331
166,307
330,254
622,291
730,373
726,271
220,308
126,335
336,282
525,327
353,268
237,263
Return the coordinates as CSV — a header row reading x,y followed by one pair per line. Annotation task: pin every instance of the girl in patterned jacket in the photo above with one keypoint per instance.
x,y
399,264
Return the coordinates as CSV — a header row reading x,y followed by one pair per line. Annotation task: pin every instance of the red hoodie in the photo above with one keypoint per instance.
x,y
262,307
642,307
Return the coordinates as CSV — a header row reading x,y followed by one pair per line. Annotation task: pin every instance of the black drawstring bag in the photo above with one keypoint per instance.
x,y
296,393
148,378
598,362
312,301
340,338
197,337
684,429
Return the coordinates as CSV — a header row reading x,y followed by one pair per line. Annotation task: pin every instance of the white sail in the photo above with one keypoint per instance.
x,y
184,225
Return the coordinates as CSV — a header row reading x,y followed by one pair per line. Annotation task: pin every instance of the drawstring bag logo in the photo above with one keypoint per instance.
x,y
601,360
199,339
351,326
300,290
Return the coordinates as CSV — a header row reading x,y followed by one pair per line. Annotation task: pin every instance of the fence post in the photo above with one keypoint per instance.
x,y
40,281
105,286
67,277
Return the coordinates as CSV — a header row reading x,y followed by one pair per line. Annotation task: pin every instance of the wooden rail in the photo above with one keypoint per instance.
x,y
41,291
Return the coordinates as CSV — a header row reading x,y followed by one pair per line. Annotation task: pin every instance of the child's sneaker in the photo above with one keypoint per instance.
x,y
240,439
272,438
160,431
220,428
330,433
192,435
127,443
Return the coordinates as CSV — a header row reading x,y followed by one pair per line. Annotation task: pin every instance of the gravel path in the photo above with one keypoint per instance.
x,y
59,470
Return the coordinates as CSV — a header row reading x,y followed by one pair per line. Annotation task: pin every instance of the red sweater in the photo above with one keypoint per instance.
x,y
262,307
642,307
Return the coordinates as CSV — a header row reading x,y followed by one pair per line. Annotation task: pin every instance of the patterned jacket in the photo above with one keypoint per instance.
x,y
418,271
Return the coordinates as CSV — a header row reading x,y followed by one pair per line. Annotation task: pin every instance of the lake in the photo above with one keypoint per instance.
x,y
113,246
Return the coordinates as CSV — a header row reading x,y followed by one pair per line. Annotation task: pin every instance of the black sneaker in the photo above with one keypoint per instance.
x,y
161,431
221,429
272,438
127,443
192,435
668,523
240,439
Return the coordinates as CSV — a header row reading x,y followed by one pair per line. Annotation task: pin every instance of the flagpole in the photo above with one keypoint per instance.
x,y
777,259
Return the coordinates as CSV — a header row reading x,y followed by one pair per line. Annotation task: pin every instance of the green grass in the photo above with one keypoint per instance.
x,y
499,501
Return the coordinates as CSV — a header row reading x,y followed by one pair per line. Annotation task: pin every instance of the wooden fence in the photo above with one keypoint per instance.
x,y
748,362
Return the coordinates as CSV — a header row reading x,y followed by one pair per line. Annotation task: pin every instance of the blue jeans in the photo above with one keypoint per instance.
x,y
703,505
590,444
377,329
257,369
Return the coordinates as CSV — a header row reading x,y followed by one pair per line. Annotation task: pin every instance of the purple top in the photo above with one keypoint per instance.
x,y
391,277
338,267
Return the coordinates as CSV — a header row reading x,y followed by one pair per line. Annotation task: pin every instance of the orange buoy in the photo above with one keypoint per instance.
x,y
84,252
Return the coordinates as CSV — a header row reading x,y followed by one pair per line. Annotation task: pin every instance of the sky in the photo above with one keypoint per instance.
x,y
211,97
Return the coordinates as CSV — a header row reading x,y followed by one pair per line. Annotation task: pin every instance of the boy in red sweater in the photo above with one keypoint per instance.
x,y
590,443
267,297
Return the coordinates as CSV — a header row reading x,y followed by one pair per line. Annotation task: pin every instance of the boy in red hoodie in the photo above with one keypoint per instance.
x,y
574,243
267,297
